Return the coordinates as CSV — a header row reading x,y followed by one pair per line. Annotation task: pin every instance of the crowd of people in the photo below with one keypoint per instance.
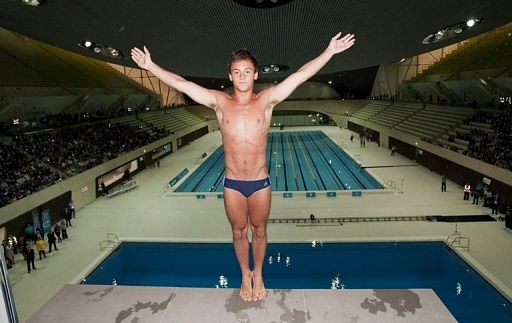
x,y
36,242
21,175
492,146
47,121
75,149
68,145
58,120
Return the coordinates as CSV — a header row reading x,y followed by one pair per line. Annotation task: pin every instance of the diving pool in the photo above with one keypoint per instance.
x,y
382,265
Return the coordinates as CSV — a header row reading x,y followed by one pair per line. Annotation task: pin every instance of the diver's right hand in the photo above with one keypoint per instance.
x,y
142,58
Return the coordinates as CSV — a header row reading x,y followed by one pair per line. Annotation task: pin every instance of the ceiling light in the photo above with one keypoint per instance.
x,y
33,3
451,31
262,4
97,49
87,43
330,82
273,68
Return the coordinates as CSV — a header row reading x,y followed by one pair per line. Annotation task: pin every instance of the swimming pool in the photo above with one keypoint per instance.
x,y
297,161
403,265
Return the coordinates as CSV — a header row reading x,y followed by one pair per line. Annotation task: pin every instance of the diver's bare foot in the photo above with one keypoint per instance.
x,y
258,292
246,288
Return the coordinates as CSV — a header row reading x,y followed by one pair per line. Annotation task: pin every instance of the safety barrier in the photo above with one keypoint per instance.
x,y
121,189
320,221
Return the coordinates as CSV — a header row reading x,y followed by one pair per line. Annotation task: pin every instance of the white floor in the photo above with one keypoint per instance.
x,y
149,213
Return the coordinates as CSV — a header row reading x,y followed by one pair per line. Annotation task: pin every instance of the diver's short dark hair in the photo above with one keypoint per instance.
x,y
240,55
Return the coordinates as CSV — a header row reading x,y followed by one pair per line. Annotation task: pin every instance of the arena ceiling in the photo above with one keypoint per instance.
x,y
194,37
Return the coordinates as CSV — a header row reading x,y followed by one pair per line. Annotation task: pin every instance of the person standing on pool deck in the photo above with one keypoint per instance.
x,y
244,121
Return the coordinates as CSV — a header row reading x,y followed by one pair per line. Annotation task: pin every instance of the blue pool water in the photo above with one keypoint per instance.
x,y
401,265
297,161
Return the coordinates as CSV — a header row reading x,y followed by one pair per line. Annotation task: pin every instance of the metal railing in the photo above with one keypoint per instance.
x,y
457,240
324,221
111,242
123,188
390,183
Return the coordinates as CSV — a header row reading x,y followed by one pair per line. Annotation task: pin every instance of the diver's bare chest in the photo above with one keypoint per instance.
x,y
247,116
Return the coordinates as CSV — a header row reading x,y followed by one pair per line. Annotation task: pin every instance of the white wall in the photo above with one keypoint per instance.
x,y
489,170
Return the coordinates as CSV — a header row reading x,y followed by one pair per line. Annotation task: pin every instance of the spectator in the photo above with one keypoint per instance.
x,y
52,241
31,255
467,191
64,230
495,204
71,206
67,216
29,231
56,229
476,196
39,232
8,253
41,246
393,150
23,247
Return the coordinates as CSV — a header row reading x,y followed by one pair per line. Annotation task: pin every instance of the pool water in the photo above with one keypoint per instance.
x,y
296,161
403,265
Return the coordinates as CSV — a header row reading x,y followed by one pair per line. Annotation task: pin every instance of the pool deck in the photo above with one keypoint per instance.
x,y
148,213
93,303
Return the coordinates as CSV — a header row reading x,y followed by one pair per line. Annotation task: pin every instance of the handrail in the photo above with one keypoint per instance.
x,y
390,183
114,237
111,242
456,240
104,244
